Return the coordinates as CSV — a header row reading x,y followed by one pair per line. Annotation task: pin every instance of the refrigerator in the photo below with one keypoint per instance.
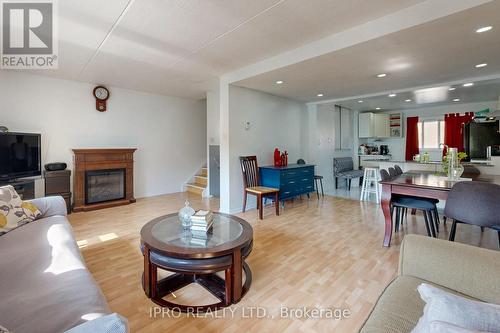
x,y
478,137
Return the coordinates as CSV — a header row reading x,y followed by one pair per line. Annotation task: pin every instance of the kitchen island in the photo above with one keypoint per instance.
x,y
493,168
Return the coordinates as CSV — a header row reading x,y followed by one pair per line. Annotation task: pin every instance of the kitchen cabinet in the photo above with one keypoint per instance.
x,y
374,125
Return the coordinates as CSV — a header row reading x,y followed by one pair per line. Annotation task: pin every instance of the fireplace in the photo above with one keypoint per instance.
x,y
103,177
104,185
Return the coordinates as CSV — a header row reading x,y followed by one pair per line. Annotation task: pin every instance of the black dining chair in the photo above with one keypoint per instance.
x,y
398,169
392,172
317,178
401,204
476,203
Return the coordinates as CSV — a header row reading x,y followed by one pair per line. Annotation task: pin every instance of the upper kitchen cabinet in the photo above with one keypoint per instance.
x,y
374,125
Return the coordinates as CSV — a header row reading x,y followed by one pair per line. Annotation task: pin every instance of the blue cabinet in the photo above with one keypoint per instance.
x,y
292,180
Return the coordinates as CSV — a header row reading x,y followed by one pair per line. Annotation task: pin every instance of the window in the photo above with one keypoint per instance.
x,y
430,133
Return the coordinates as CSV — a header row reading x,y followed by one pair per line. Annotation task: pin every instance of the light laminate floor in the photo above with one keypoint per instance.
x,y
323,253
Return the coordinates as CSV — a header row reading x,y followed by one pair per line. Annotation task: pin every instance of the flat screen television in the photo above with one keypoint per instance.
x,y
20,155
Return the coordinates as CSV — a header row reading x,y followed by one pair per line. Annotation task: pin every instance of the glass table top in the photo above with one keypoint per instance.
x,y
171,232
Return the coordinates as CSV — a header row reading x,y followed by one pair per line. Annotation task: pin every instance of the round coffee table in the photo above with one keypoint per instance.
x,y
195,258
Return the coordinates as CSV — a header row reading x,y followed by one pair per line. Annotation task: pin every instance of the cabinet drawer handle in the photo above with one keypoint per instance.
x,y
305,179
291,182
287,192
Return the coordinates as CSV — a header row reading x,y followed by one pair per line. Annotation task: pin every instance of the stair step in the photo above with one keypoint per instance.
x,y
203,172
195,188
201,180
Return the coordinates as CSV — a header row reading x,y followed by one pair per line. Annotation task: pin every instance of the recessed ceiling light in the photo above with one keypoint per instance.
x,y
484,29
319,95
408,100
452,88
481,65
279,82
360,101
469,84
456,100
381,75
392,95
377,108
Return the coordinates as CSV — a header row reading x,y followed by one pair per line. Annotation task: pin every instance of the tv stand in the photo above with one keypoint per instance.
x,y
24,187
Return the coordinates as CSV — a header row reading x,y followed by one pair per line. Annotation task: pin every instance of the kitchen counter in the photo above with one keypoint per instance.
x,y
487,169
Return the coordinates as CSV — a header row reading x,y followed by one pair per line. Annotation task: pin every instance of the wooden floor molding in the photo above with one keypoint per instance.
x,y
323,253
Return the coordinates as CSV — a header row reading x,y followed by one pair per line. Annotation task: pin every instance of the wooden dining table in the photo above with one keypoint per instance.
x,y
426,184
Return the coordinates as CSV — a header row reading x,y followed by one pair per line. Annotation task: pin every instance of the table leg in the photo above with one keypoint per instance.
x,y
386,208
229,286
147,273
237,275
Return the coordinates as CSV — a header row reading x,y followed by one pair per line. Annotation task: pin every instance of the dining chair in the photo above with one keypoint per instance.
x,y
398,169
392,172
401,204
476,203
251,185
317,178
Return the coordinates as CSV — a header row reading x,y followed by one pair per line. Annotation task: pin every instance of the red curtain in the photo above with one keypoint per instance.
x,y
411,137
454,129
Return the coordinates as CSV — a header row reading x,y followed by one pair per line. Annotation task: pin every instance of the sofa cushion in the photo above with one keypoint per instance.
x,y
14,212
398,309
450,308
44,284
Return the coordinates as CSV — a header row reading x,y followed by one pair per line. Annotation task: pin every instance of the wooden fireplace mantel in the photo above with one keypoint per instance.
x,y
102,159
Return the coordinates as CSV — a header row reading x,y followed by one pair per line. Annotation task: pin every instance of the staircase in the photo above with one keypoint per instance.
x,y
199,183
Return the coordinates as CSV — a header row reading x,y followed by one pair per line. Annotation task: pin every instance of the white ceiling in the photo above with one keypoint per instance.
x,y
439,51
177,47
482,91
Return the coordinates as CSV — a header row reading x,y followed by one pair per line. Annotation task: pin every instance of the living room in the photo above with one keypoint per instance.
x,y
219,166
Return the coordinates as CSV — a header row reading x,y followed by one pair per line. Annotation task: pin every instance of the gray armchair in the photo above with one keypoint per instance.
x,y
343,167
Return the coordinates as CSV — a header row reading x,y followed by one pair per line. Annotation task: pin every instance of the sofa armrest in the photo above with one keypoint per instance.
x,y
467,269
50,206
112,323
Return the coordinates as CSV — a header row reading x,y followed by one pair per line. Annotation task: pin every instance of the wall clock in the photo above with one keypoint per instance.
x,y
101,95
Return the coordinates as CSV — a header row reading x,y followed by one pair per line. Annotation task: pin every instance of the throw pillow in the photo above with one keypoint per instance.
x,y
15,212
442,327
459,311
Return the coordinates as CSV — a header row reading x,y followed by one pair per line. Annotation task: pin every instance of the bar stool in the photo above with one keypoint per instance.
x,y
316,179
371,177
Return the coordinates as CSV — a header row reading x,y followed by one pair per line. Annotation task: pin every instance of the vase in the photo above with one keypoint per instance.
x,y
456,172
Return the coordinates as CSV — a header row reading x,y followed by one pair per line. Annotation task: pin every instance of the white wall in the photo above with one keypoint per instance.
x,y
169,132
275,122
322,137
397,146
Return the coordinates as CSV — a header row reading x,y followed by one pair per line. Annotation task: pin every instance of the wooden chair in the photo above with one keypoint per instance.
x,y
251,185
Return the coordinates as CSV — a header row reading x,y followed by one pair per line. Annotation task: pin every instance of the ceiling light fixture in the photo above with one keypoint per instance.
x,y
469,84
408,100
319,95
382,75
360,101
279,82
481,65
392,95
456,100
377,108
452,88
484,29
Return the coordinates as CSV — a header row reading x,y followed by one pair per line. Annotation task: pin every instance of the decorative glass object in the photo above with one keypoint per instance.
x,y
455,169
185,214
